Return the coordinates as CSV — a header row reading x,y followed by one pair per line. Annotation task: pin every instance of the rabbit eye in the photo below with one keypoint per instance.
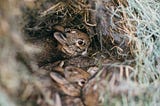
x,y
81,82
81,42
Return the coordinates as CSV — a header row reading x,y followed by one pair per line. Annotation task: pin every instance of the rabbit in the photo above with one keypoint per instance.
x,y
72,41
62,86
70,81
63,44
109,77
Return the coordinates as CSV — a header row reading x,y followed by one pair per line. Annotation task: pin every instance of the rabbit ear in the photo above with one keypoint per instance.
x,y
60,38
65,85
59,28
58,78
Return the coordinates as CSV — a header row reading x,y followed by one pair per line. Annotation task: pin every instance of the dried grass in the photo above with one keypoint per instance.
x,y
128,30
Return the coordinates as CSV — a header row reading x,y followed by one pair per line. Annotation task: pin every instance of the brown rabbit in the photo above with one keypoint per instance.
x,y
72,41
69,81
109,77
64,43
63,87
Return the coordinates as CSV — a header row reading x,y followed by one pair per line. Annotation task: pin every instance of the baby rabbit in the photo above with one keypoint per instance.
x,y
72,41
109,78
64,43
64,82
70,81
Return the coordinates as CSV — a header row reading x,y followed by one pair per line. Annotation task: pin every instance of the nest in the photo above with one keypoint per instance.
x,y
95,18
118,30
